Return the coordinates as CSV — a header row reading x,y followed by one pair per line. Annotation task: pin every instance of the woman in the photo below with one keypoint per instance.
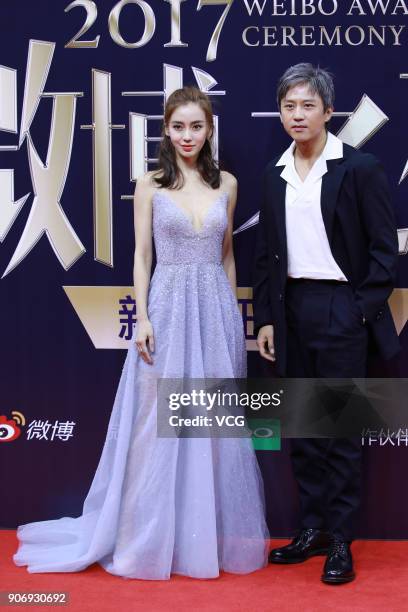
x,y
162,505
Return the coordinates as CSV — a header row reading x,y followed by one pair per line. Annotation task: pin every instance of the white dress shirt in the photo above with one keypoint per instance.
x,y
309,254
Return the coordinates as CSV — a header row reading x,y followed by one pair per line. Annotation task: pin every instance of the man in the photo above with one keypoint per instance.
x,y
325,266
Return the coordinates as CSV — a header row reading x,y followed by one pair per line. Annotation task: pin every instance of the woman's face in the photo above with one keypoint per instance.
x,y
188,130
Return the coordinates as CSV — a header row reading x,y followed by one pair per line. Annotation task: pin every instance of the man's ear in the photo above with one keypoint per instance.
x,y
329,113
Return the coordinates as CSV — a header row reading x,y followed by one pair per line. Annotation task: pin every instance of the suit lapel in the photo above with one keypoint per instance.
x,y
331,183
278,197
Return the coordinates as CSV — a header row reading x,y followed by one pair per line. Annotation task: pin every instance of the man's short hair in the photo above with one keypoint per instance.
x,y
320,82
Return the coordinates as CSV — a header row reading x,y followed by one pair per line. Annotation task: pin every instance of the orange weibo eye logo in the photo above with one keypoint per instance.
x,y
9,429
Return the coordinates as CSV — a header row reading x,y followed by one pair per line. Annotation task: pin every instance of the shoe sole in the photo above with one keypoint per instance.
x,y
338,580
316,553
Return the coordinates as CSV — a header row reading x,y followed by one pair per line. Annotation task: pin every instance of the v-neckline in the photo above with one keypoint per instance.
x,y
212,205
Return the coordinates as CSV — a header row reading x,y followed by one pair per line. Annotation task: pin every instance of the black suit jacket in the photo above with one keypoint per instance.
x,y
362,233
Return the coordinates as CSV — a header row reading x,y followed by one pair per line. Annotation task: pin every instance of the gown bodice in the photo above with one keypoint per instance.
x,y
178,242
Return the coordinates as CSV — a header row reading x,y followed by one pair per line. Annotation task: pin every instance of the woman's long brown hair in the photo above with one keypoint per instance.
x,y
169,174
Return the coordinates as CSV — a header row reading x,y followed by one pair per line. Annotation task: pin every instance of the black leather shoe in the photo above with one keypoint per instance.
x,y
339,564
309,543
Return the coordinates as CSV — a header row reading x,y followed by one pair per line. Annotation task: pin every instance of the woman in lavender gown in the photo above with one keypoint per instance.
x,y
157,506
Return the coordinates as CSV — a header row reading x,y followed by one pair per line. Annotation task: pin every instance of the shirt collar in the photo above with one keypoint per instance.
x,y
332,150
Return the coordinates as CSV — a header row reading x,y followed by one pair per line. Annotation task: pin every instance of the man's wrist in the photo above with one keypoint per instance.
x,y
260,326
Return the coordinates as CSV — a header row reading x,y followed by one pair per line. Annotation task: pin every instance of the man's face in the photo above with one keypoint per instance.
x,y
302,113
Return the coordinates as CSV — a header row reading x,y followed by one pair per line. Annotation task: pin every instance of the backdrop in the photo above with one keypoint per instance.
x,y
82,88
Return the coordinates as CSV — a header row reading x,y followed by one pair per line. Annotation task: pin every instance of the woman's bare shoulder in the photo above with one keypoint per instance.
x,y
146,184
145,189
228,180
148,179
229,184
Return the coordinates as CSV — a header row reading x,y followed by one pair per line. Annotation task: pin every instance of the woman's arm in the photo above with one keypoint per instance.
x,y
142,266
229,183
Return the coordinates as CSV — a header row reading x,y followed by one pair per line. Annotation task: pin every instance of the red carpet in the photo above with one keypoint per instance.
x,y
381,584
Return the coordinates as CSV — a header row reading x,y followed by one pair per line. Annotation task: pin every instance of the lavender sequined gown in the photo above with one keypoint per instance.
x,y
158,506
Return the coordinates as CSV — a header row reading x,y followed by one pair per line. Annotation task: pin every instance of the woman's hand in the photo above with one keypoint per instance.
x,y
144,339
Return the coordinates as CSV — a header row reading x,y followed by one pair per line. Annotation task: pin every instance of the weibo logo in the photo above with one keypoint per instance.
x,y
9,428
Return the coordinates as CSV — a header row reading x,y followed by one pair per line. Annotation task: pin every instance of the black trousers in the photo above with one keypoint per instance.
x,y
326,339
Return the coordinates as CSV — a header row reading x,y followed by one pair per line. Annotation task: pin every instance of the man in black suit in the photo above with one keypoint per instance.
x,y
326,259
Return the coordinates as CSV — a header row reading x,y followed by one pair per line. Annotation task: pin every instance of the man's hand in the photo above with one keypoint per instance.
x,y
265,342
